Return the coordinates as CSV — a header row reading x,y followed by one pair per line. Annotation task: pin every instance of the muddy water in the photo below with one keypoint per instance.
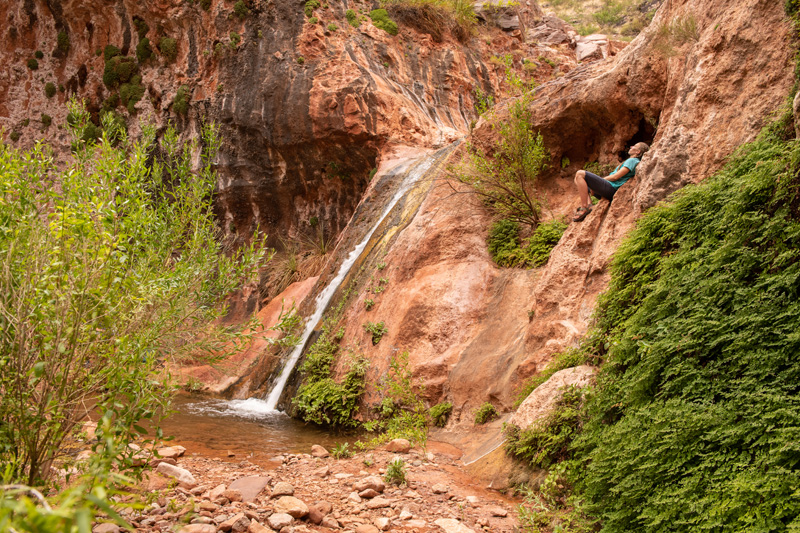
x,y
233,430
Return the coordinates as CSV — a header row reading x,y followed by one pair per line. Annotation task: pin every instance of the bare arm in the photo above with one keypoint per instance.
x,y
619,174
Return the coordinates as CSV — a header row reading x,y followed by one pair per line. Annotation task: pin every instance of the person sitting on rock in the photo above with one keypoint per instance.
x,y
588,183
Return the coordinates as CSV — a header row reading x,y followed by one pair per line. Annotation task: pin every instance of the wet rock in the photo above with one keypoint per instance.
x,y
399,446
279,521
236,524
250,487
282,489
372,482
319,451
291,506
183,476
198,528
450,525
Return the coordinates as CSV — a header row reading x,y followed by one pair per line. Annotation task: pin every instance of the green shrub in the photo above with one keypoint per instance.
x,y
566,359
141,27
168,48
341,451
311,5
435,17
111,102
110,51
485,413
39,54
130,93
395,472
14,135
235,39
376,329
547,440
698,400
50,89
541,243
26,122
380,19
352,18
325,401
118,70
332,27
440,412
180,104
205,4
46,120
369,303
240,8
33,64
143,50
504,243
62,43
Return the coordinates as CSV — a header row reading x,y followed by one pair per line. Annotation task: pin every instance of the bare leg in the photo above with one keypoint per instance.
x,y
583,189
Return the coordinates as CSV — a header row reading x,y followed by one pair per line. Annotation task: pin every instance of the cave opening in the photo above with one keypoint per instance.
x,y
646,132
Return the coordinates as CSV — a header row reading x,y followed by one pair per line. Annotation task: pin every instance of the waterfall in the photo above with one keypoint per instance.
x,y
413,170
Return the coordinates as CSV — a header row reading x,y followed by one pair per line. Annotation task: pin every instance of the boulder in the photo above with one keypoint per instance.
x,y
171,452
440,488
497,511
183,476
291,506
318,511
372,482
382,523
399,446
543,398
368,493
330,522
278,521
249,487
319,451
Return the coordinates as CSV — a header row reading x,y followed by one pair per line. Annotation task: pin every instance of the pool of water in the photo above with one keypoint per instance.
x,y
233,430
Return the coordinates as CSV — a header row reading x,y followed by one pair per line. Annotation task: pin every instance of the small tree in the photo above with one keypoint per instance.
x,y
506,179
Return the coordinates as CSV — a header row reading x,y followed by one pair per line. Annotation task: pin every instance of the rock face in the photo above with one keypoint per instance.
x,y
542,399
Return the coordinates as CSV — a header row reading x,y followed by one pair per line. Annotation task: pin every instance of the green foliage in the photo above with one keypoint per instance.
x,y
110,51
93,298
62,43
567,359
118,70
440,412
143,50
33,64
485,413
507,251
205,4
235,39
324,401
111,102
313,20
180,104
39,54
141,27
341,451
352,18
547,440
130,93
506,180
435,17
50,89
699,400
675,33
14,135
310,6
26,122
168,48
380,19
504,242
332,27
483,101
541,243
46,120
368,303
241,9
376,329
395,472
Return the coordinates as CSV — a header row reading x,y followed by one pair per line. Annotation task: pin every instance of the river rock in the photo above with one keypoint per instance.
x,y
278,521
372,482
233,495
255,527
282,489
399,446
497,511
106,528
322,472
171,452
237,523
319,451
450,525
291,506
250,487
382,523
378,503
367,528
354,497
198,528
183,476
330,522
368,493
440,488
318,511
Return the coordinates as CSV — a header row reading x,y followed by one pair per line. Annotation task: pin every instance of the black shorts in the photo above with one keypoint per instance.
x,y
599,186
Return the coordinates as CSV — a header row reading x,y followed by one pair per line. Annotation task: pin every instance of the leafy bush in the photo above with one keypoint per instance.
x,y
485,413
118,70
313,20
310,6
168,48
332,27
440,412
506,180
46,120
547,440
325,401
376,329
50,89
395,472
180,104
14,135
62,43
699,399
235,39
541,243
143,50
205,4
38,54
111,102
117,302
110,51
240,8
33,64
131,92
352,18
504,243
380,19
369,303
141,27
301,60
341,451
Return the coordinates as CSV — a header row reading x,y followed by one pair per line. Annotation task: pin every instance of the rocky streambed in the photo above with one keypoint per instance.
x,y
315,492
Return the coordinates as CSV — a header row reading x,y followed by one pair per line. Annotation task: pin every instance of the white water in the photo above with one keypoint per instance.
x,y
325,296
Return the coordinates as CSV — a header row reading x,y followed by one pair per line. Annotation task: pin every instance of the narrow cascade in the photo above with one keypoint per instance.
x,y
414,170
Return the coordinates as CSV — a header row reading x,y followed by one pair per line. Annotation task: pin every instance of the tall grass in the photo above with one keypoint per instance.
x,y
435,17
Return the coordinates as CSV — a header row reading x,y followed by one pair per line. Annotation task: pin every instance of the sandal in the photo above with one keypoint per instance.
x,y
581,213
